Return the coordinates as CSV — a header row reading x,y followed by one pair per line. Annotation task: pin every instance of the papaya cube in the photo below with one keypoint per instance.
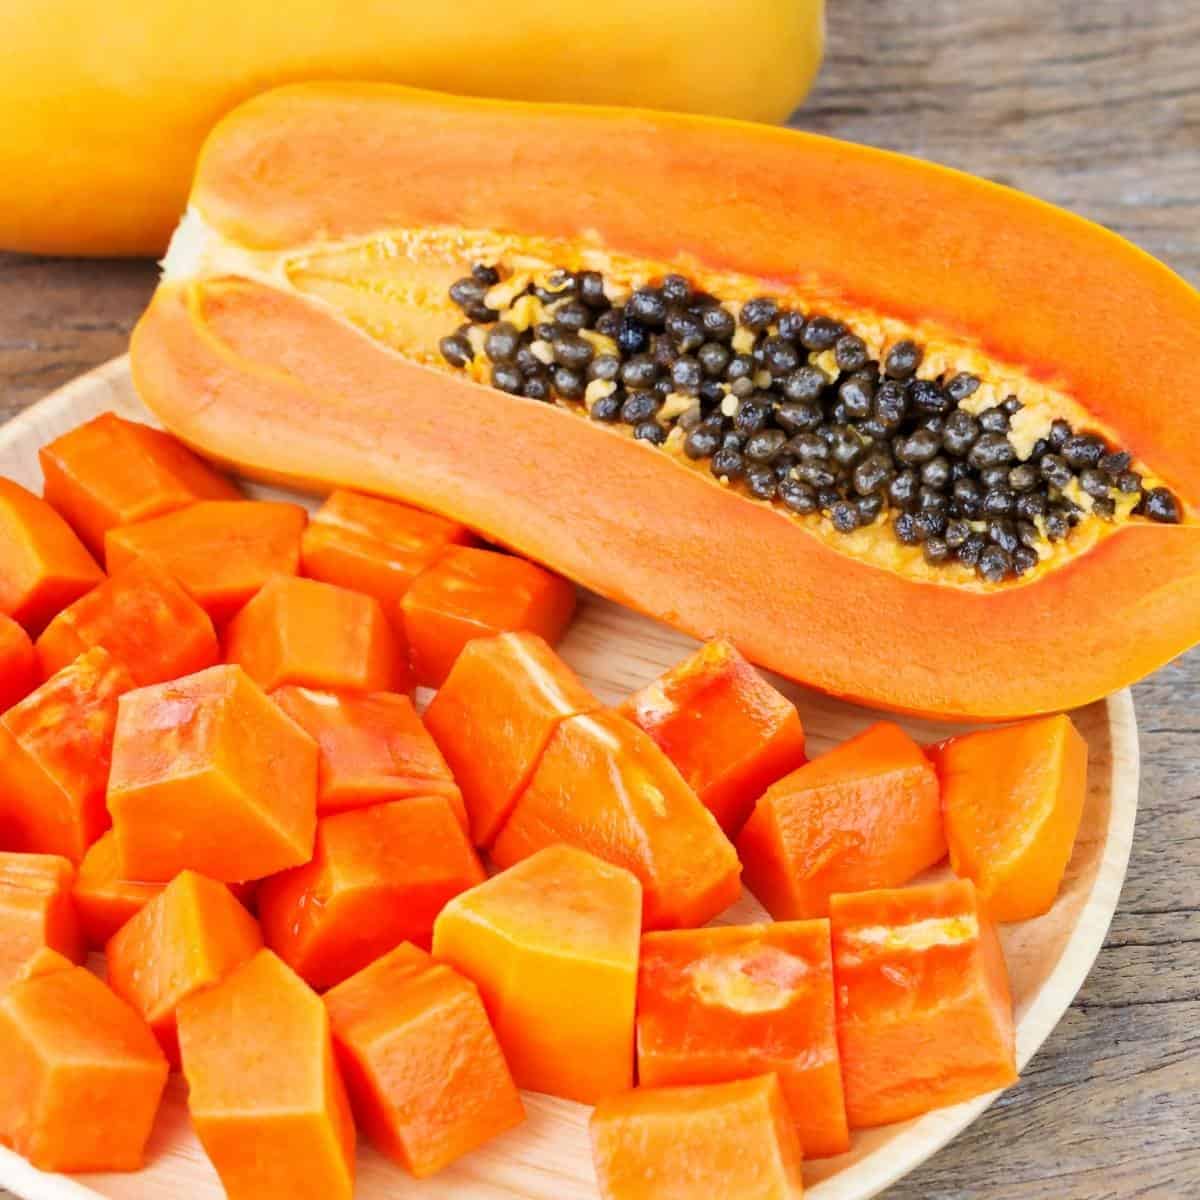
x,y
375,546
730,733
187,938
103,900
55,748
865,815
36,912
43,962
426,1076
604,786
298,631
222,551
924,1012
493,716
18,663
264,1091
43,565
469,593
1012,799
698,1143
716,1005
143,618
83,1077
379,877
552,944
207,773
111,472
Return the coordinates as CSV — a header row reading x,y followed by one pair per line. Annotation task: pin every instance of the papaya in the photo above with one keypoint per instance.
x,y
426,1076
37,913
110,472
18,663
730,733
44,962
694,1143
795,420
121,157
1012,799
208,774
924,1008
743,1000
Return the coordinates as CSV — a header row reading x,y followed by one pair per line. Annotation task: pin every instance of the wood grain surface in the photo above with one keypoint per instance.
x,y
1093,104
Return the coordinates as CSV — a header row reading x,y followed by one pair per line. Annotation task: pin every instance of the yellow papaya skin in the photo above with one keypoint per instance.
x,y
106,106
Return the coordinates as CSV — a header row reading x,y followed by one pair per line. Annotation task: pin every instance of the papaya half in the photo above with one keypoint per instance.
x,y
901,434
106,107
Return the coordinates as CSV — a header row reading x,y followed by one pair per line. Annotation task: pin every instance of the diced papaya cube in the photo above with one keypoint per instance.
x,y
469,593
374,749
207,773
111,472
43,962
222,551
698,1143
312,634
375,546
1012,799
730,733
82,1078
716,1005
604,786
143,618
924,1012
552,944
103,899
43,565
18,664
426,1076
185,939
379,877
865,815
36,912
264,1091
493,716
55,748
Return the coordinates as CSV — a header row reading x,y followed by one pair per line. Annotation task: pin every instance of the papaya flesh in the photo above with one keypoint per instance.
x,y
297,335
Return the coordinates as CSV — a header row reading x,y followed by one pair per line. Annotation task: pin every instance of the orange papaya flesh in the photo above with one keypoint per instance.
x,y
692,1143
375,546
143,618
373,749
265,1093
262,374
74,1053
602,785
37,913
469,593
493,717
43,962
110,472
734,1002
730,733
187,938
552,944
43,565
312,634
924,1009
18,663
865,815
427,1078
379,876
222,551
55,750
1012,799
208,774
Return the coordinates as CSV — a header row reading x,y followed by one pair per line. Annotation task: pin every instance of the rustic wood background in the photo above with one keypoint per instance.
x,y
1093,104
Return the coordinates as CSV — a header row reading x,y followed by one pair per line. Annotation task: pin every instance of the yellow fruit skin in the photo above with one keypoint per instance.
x,y
106,105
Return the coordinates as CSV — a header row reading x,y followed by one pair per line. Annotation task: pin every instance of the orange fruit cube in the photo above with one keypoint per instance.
x,y
18,663
36,912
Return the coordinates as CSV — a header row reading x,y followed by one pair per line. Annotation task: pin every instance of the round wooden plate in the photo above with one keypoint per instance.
x,y
548,1158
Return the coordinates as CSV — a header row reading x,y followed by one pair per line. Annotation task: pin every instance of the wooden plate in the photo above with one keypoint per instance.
x,y
548,1159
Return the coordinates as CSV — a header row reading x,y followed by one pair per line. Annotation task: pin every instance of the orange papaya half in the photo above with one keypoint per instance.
x,y
370,277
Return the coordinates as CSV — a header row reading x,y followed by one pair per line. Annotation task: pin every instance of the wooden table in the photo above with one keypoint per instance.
x,y
1093,104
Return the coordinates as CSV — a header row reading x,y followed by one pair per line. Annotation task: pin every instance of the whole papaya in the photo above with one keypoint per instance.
x,y
107,105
